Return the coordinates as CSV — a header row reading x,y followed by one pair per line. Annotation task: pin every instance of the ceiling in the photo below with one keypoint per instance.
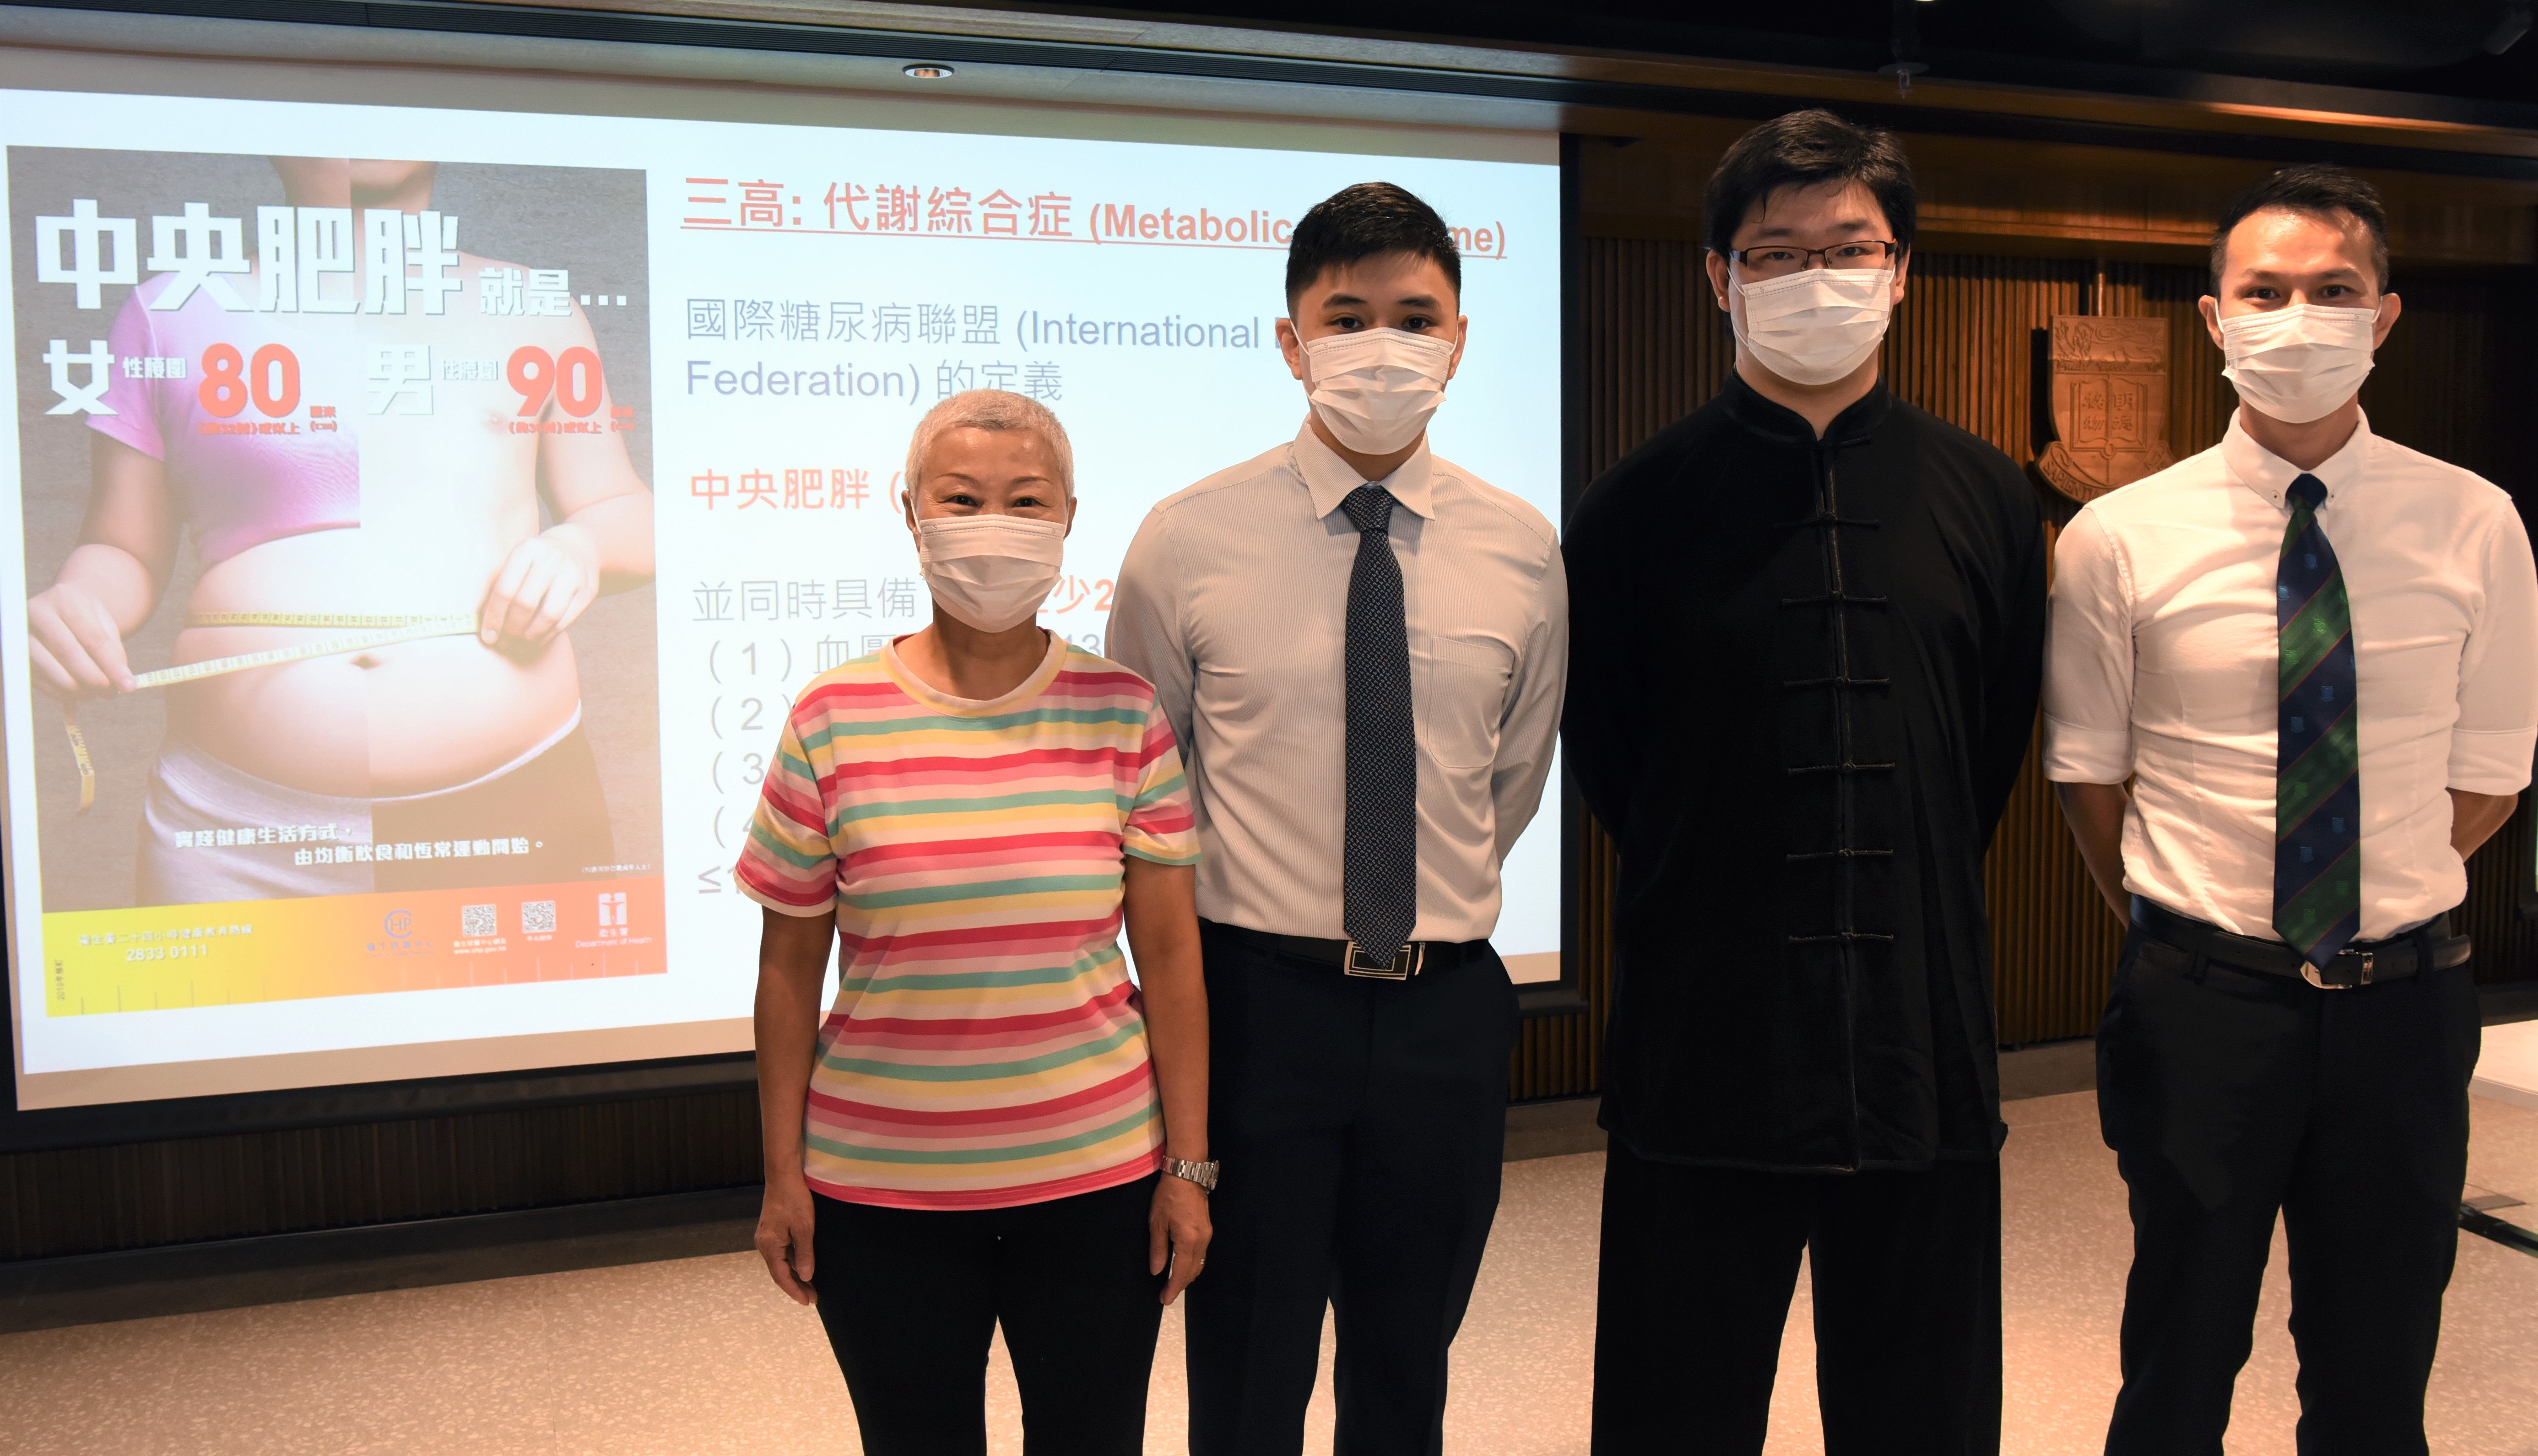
x,y
2471,50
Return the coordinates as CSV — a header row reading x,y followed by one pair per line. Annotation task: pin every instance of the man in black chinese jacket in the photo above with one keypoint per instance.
x,y
1808,625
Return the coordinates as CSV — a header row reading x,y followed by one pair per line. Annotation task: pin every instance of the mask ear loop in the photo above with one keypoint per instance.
x,y
908,513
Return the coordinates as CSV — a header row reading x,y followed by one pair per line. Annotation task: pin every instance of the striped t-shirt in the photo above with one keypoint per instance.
x,y
986,1048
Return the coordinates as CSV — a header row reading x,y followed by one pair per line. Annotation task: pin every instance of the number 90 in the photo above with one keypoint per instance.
x,y
572,376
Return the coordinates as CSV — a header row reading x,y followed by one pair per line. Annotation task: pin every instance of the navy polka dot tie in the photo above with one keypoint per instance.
x,y
2318,758
1379,859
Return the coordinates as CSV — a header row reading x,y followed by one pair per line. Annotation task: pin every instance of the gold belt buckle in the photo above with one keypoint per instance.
x,y
1400,965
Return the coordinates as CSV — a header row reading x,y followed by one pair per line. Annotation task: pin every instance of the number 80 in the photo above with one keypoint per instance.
x,y
272,379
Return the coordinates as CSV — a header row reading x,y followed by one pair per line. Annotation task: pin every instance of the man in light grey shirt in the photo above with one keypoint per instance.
x,y
1361,649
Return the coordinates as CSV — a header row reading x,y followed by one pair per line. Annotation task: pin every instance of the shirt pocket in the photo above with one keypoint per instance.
x,y
1466,698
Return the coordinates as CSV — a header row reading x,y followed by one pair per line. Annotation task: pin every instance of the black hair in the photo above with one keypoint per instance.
x,y
1367,221
1801,149
2316,189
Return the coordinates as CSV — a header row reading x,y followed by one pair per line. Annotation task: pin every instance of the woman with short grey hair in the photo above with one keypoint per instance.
x,y
993,1124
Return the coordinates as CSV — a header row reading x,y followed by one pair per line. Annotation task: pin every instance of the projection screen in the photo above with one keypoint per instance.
x,y
286,421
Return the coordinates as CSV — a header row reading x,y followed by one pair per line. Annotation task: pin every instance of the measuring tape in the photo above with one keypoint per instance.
x,y
360,634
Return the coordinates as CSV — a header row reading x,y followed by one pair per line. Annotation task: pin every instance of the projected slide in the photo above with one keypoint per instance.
x,y
421,547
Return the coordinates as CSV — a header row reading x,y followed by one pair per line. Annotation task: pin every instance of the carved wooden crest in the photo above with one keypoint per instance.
x,y
2109,404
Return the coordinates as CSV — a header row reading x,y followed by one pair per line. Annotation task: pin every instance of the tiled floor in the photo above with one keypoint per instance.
x,y
701,1355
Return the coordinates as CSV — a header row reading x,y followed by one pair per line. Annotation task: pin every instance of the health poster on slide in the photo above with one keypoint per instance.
x,y
421,548
300,434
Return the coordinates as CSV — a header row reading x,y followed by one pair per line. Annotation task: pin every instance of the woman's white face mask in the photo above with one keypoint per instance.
x,y
1375,389
1817,325
2299,364
992,572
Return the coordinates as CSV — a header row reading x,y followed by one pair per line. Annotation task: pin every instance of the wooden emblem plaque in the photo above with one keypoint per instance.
x,y
2109,404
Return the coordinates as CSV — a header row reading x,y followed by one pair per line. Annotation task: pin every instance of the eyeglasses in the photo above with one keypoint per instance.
x,y
1779,260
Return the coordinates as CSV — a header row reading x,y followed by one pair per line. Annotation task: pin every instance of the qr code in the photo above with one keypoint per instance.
x,y
537,917
476,920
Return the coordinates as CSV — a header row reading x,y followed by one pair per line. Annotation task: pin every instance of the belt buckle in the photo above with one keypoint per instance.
x,y
1400,965
2369,966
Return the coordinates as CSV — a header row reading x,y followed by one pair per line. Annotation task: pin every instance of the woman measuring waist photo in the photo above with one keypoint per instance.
x,y
401,512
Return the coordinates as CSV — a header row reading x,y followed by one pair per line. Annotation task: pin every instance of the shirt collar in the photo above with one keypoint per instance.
x,y
2270,474
1329,479
1857,422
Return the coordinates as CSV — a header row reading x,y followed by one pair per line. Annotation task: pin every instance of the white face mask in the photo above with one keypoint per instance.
x,y
1816,326
1375,389
2299,364
992,572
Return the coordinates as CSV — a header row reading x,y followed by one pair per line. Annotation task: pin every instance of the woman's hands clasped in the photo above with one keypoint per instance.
x,y
1180,1232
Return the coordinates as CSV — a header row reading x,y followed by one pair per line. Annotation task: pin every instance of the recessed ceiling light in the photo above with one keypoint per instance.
x,y
926,71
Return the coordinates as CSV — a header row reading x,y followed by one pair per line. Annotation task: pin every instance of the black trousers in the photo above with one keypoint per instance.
x,y
911,1297
1699,1264
2228,1095
1360,1124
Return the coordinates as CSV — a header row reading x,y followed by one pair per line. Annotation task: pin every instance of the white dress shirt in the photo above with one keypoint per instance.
x,y
2164,660
1233,601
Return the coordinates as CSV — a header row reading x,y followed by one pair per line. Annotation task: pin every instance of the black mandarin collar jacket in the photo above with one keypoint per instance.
x,y
1804,675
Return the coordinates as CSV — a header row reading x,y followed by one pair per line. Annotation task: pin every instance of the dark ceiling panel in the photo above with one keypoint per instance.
x,y
447,15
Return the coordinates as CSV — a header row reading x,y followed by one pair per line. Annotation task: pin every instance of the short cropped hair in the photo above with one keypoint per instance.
x,y
1801,149
2315,189
996,410
1367,221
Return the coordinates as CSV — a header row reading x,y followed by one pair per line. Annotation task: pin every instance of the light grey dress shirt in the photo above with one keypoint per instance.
x,y
2164,665
1233,603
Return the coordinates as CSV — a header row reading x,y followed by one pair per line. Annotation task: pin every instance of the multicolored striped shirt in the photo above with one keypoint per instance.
x,y
986,1048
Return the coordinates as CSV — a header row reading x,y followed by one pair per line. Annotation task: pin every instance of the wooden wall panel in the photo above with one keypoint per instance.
x,y
2008,195
88,1200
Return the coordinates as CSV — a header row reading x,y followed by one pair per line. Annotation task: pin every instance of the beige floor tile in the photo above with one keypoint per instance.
x,y
1524,1365
2502,1157
713,1359
701,1355
98,1387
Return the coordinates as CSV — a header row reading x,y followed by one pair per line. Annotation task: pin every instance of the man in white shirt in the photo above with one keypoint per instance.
x,y
2314,652
1361,649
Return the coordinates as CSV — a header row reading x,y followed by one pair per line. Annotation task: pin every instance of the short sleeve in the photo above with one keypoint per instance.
x,y
2089,659
1160,827
135,402
789,864
2497,694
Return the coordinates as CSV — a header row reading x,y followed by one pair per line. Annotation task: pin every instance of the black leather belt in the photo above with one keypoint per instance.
x,y
1410,959
2427,947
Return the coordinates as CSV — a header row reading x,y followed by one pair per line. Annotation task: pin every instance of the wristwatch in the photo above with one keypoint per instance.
x,y
1201,1173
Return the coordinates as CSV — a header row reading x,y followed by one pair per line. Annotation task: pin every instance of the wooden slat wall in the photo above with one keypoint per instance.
x,y
2009,194
85,1200
1963,348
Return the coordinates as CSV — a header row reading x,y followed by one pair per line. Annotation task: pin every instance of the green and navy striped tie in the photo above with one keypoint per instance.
x,y
2317,780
